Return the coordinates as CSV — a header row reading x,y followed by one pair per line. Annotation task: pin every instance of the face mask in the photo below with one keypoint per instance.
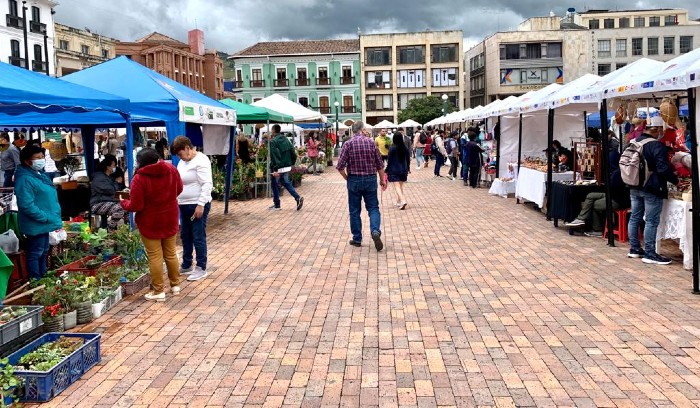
x,y
38,164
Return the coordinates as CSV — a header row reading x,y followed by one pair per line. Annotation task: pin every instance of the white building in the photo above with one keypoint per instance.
x,y
37,53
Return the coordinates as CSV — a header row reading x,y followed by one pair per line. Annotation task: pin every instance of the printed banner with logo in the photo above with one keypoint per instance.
x,y
206,115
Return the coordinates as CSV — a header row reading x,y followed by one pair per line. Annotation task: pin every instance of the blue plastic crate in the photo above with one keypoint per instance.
x,y
42,386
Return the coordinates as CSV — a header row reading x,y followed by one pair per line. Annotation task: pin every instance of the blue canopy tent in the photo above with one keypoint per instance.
x,y
157,100
32,100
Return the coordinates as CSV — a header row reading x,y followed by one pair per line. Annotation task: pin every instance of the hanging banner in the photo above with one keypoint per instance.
x,y
55,136
206,115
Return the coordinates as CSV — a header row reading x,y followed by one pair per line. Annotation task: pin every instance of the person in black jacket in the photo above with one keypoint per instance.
x,y
398,166
647,201
473,159
103,200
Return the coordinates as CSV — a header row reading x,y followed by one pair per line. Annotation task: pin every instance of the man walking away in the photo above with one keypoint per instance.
x,y
655,172
438,149
473,159
359,163
419,141
453,151
9,160
282,157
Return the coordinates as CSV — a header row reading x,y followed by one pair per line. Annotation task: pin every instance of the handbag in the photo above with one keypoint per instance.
x,y
448,162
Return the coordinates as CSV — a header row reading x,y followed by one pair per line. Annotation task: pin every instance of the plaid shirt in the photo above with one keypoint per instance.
x,y
360,156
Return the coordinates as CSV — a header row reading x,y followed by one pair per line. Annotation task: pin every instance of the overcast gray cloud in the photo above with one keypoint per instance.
x,y
230,26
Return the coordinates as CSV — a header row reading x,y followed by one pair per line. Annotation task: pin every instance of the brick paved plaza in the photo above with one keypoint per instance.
x,y
475,301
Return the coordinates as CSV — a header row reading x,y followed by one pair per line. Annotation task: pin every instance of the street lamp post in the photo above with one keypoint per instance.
x,y
337,136
444,104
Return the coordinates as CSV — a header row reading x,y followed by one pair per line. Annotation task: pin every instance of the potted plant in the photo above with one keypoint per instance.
x,y
9,383
52,317
96,240
296,175
71,164
69,298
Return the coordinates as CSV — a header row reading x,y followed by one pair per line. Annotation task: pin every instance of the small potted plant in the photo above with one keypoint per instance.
x,y
71,164
52,317
9,383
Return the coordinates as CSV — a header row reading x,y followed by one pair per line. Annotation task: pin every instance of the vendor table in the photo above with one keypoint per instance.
x,y
677,223
532,184
502,188
74,202
565,200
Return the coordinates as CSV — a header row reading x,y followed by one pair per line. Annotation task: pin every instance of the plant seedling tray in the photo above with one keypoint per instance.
x,y
81,265
132,288
20,325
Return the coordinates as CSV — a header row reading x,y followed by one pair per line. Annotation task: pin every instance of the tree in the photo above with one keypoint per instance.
x,y
423,110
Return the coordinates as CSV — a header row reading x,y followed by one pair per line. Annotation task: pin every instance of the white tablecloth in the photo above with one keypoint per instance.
x,y
532,184
502,188
677,223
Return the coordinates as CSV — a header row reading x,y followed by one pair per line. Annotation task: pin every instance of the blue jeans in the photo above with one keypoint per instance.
x,y
465,169
193,235
359,188
37,252
439,162
647,207
419,157
8,182
284,177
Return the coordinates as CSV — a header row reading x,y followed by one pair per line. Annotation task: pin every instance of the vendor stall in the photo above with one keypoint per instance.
x,y
532,184
676,222
566,198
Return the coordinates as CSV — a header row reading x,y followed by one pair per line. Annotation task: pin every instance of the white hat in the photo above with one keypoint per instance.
x,y
656,121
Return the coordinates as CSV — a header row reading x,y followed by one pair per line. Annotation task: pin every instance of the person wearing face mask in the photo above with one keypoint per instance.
x,y
103,200
39,212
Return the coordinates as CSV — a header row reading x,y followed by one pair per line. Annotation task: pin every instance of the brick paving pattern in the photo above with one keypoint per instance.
x,y
475,301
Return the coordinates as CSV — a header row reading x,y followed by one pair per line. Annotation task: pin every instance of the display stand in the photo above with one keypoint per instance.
x,y
587,165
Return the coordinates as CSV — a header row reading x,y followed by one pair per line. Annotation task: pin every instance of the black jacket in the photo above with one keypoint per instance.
x,y
103,188
619,191
474,154
659,171
394,165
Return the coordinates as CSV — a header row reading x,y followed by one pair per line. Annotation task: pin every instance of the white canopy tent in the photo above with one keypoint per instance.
x,y
279,103
616,79
409,124
288,128
385,124
340,126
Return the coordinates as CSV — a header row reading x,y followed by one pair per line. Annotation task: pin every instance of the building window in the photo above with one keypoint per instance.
x,y
38,55
412,55
63,44
603,48
379,102
686,43
14,10
621,48
653,46
379,79
324,105
444,53
593,24
637,46
347,78
404,99
36,14
15,58
348,104
256,80
378,56
533,51
639,21
302,79
654,21
84,49
623,22
281,79
670,20
414,78
105,53
304,101
445,77
609,23
510,51
553,50
603,69
322,78
620,65
669,45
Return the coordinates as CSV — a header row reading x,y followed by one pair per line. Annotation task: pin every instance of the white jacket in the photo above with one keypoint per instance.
x,y
197,180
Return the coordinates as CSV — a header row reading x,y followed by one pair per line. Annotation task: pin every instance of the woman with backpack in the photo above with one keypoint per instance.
x,y
427,150
397,168
419,141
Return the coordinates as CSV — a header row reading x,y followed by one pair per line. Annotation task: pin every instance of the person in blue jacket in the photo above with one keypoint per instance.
x,y
39,211
463,142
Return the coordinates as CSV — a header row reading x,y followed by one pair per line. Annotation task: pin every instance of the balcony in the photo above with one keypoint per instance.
x,y
238,84
373,108
36,27
348,109
325,110
302,82
14,21
347,80
39,66
18,62
281,83
257,83
323,81
374,85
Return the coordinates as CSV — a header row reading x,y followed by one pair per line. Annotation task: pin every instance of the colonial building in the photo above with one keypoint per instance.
x,y
545,50
189,64
77,49
400,67
316,74
27,34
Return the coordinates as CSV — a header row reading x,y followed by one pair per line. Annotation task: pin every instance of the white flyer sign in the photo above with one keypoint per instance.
x,y
206,115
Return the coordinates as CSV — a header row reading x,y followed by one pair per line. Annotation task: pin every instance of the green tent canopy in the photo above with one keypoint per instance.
x,y
252,114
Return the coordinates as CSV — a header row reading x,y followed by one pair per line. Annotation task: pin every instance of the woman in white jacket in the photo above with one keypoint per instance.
x,y
195,202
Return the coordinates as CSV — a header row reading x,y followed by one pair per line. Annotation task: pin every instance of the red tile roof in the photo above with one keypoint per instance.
x,y
301,47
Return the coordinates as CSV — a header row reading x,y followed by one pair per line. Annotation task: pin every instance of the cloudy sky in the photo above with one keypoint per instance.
x,y
231,25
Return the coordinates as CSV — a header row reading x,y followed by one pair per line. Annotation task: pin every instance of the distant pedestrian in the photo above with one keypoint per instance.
x,y
383,142
438,149
282,157
428,149
406,141
312,150
419,141
397,168
9,160
452,149
474,152
359,163
463,141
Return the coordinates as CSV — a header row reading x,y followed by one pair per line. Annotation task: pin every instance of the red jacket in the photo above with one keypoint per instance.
x,y
153,198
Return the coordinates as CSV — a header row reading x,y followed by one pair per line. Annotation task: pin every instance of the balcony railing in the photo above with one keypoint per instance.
x,y
374,85
374,108
14,21
348,109
238,84
281,83
39,66
326,110
323,81
35,27
347,80
302,82
257,83
18,62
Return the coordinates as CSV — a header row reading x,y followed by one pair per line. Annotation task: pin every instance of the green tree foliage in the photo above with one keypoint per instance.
x,y
423,110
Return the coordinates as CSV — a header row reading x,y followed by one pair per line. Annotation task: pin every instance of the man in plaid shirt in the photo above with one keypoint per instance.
x,y
359,163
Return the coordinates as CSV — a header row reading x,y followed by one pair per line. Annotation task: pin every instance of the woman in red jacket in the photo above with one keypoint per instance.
x,y
153,198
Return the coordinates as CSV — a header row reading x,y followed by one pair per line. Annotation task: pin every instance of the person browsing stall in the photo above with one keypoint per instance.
x,y
103,197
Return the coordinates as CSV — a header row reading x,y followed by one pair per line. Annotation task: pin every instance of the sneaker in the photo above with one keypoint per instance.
x,y
152,296
377,238
175,290
402,206
596,234
635,253
418,168
300,203
355,243
198,274
656,259
274,208
575,223
451,178
186,271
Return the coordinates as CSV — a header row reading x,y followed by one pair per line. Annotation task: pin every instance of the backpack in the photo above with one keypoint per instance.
x,y
633,166
448,147
434,147
423,138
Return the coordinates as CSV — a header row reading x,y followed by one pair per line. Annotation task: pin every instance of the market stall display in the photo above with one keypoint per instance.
x,y
587,158
532,184
566,198
676,223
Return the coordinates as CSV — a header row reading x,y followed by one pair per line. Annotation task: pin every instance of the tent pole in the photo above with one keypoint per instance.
x,y
269,185
585,124
497,139
606,171
129,156
229,167
550,139
692,125
520,146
